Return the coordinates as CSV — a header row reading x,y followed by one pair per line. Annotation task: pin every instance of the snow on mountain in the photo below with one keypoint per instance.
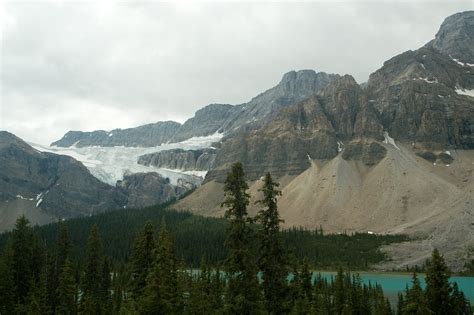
x,y
110,164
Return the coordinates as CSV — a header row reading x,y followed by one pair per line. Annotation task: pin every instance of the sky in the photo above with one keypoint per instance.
x,y
89,65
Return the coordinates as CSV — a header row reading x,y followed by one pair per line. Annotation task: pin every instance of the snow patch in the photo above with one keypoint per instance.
x,y
426,80
389,140
464,64
423,66
111,134
447,152
39,202
23,198
309,157
462,91
340,144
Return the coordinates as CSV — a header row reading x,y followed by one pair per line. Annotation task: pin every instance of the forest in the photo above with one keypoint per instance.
x,y
145,262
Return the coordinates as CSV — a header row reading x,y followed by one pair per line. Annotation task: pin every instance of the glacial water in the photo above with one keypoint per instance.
x,y
392,283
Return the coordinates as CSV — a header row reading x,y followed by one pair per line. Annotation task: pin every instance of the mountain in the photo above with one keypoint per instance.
x,y
53,185
150,135
214,118
47,187
455,38
393,156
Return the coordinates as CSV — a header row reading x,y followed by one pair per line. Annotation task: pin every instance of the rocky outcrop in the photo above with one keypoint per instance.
x,y
148,189
284,146
370,153
206,121
436,157
150,135
186,160
455,37
416,96
58,185
311,129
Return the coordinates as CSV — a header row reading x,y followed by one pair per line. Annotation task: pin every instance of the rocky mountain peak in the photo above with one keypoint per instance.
x,y
456,37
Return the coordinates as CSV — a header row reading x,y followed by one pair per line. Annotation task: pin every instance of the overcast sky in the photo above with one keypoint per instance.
x,y
90,65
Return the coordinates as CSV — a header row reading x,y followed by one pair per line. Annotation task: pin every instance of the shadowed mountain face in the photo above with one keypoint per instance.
x,y
46,187
56,184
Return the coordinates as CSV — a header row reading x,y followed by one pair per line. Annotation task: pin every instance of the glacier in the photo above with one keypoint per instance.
x,y
110,164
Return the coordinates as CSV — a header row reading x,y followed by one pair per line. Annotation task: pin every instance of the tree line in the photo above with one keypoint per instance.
x,y
258,275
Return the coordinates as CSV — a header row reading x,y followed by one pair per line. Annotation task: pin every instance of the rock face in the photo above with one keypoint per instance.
x,y
420,95
295,86
150,135
455,37
206,121
57,184
147,189
186,160
394,156
311,129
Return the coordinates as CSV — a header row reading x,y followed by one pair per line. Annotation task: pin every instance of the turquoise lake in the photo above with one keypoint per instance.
x,y
394,283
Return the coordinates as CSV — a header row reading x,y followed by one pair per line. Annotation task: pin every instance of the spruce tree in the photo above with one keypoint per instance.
x,y
92,281
339,292
55,262
273,262
67,290
142,260
243,294
415,301
22,258
7,297
162,292
438,289
105,296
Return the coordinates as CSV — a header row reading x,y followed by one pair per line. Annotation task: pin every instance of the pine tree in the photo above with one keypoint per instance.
x,y
142,260
415,301
22,259
67,291
91,286
162,292
200,298
36,301
272,262
105,296
7,297
339,292
55,262
438,289
243,294
459,303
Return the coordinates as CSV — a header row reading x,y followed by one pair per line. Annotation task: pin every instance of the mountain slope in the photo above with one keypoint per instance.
x,y
55,185
341,168
150,135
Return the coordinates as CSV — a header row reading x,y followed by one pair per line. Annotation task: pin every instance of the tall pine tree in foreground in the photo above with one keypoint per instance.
x,y
142,260
273,262
162,293
438,289
22,259
67,291
243,294
91,302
